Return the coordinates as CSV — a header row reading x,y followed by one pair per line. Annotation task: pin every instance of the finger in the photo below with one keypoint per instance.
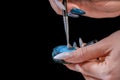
x,y
94,51
93,69
87,53
71,67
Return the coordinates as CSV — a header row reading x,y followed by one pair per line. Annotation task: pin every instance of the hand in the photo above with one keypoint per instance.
x,y
85,59
93,8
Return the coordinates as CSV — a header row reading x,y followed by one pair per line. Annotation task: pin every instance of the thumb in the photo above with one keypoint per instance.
x,y
94,51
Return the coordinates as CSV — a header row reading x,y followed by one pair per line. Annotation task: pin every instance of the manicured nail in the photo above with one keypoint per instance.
x,y
75,45
77,11
80,42
73,15
59,4
63,55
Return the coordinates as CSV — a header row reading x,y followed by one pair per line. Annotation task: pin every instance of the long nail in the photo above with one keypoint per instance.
x,y
73,15
75,45
59,4
77,11
63,55
80,42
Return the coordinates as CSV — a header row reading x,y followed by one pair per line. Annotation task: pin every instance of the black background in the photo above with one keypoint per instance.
x,y
86,28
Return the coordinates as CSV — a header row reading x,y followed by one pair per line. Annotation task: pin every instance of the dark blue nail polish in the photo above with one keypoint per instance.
x,y
77,11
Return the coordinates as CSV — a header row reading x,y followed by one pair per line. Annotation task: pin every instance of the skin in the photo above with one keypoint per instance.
x,y
85,59
93,8
100,61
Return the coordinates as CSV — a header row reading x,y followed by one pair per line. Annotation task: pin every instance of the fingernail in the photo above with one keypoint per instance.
x,y
59,4
63,55
73,15
75,45
77,11
80,42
